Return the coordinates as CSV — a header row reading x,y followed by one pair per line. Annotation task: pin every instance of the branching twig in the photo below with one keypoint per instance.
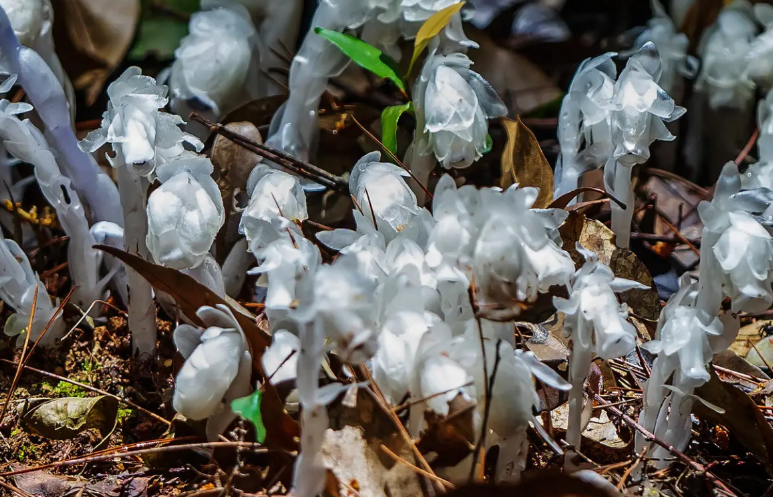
x,y
486,412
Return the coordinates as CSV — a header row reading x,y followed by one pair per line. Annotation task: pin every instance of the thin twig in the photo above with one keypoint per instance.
x,y
486,413
649,237
411,402
13,489
91,389
417,469
23,353
292,353
764,361
298,166
648,436
254,446
746,149
48,325
630,469
679,234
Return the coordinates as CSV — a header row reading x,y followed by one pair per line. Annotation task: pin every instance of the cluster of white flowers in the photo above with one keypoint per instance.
x,y
217,62
613,122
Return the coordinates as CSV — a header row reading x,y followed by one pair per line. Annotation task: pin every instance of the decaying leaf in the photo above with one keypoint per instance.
x,y
603,438
451,437
42,484
730,360
749,334
431,28
594,236
741,416
65,418
190,295
523,162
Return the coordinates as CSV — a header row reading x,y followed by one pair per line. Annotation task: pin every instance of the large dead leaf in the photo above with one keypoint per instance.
x,y
42,484
65,418
100,31
190,295
596,237
742,417
523,162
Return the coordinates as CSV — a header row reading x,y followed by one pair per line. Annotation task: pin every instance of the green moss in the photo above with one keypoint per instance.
x,y
26,451
124,414
90,366
64,389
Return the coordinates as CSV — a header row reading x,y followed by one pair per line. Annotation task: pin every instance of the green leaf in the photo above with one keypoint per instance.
x,y
249,408
389,118
365,55
431,28
489,144
158,36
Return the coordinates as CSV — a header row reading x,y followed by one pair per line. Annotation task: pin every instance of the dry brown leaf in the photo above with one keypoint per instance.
x,y
452,437
523,162
742,417
751,333
190,295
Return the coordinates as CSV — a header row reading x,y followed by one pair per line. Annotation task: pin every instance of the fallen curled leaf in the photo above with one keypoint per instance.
x,y
728,359
596,237
65,418
741,416
190,295
523,162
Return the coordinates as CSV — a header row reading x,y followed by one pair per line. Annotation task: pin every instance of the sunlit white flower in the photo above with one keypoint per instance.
x,y
383,194
17,288
27,17
217,368
759,66
184,213
738,248
141,135
213,61
453,105
724,76
280,359
276,200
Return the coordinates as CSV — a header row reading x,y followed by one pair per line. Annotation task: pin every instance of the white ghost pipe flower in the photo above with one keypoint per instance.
x,y
141,138
641,108
17,288
277,23
758,65
277,200
737,257
235,267
217,368
760,173
596,324
25,142
294,126
46,94
184,213
683,348
453,105
583,130
280,359
111,234
32,22
672,46
217,63
382,194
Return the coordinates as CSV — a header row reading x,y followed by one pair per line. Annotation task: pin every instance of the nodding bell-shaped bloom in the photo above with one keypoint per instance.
x,y
738,248
583,129
184,213
758,59
723,76
596,324
280,359
217,368
672,46
141,135
213,61
760,173
340,303
277,200
517,254
453,105
383,194
17,288
27,18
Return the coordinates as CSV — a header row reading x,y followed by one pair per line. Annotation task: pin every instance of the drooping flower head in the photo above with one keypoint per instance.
x,y
27,18
141,135
184,213
453,105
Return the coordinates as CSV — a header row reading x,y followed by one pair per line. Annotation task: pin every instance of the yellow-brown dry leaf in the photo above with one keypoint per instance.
x,y
523,162
431,28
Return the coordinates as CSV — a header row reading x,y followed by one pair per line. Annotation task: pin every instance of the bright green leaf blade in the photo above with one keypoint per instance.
x,y
489,144
389,118
249,408
365,55
431,28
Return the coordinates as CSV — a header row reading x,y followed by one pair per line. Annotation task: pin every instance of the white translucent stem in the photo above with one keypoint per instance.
x,y
578,371
709,290
279,30
142,310
512,457
623,190
421,166
235,267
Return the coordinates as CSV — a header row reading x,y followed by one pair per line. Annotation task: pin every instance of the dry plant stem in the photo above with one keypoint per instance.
x,y
393,157
23,352
738,375
411,402
765,361
474,305
648,237
630,469
649,437
416,469
487,411
302,168
679,234
142,311
48,325
378,395
91,389
746,149
13,489
254,446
